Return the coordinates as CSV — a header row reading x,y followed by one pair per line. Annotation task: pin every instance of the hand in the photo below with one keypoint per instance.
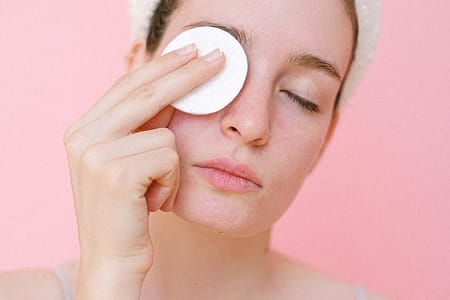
x,y
118,173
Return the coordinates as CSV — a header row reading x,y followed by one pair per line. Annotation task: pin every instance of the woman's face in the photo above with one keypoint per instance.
x,y
263,129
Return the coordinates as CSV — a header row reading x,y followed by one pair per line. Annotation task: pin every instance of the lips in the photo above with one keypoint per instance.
x,y
229,175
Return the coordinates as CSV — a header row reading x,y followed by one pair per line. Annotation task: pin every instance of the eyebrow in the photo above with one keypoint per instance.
x,y
315,62
240,35
307,60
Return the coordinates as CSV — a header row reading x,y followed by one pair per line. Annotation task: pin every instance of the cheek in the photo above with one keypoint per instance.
x,y
291,163
298,143
178,126
190,132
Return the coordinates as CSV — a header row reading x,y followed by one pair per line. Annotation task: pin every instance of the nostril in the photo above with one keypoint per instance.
x,y
234,129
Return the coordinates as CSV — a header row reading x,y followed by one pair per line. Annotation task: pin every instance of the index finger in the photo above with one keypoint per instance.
x,y
129,82
145,102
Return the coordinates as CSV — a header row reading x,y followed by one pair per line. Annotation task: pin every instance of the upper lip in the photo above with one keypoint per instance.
x,y
233,168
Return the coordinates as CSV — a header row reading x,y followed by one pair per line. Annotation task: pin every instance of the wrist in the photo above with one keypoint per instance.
x,y
112,280
136,264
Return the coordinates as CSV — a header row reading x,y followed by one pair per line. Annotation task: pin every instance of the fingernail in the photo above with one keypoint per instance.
x,y
212,56
186,50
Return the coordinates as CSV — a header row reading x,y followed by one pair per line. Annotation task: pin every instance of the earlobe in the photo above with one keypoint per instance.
x,y
136,55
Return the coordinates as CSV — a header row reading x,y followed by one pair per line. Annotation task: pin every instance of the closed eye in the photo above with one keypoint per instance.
x,y
312,107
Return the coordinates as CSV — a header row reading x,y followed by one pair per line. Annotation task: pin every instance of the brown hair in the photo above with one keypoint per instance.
x,y
165,8
350,9
160,20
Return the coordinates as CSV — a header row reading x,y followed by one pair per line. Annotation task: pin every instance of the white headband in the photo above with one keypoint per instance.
x,y
369,26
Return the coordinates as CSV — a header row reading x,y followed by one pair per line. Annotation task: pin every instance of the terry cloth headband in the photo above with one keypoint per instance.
x,y
369,26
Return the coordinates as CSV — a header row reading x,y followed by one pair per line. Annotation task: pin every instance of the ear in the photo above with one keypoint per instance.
x,y
136,55
330,133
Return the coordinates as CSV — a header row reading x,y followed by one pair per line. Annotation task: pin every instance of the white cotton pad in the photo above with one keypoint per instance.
x,y
224,86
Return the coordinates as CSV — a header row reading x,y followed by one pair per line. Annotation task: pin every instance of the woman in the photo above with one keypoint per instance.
x,y
175,206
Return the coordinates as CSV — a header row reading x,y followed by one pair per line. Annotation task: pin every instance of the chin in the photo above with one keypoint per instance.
x,y
226,213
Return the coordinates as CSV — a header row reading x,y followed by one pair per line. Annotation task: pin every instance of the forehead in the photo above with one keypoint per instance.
x,y
277,28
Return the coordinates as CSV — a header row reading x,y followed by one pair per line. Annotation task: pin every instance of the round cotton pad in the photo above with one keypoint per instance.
x,y
224,86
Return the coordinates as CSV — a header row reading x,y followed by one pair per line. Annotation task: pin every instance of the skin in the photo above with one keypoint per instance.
x,y
268,123
148,223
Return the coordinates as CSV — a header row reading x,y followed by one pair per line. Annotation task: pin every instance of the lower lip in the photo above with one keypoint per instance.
x,y
228,182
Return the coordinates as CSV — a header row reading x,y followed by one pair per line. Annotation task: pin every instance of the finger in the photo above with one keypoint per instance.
x,y
148,100
157,197
150,72
170,202
160,167
132,144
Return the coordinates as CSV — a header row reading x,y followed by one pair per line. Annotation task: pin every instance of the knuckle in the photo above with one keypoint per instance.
x,y
73,141
67,134
116,174
92,159
168,137
171,156
144,92
121,81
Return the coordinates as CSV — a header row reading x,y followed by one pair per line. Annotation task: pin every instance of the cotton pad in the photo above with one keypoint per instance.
x,y
224,86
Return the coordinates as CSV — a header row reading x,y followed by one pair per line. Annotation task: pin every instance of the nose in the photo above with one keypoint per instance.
x,y
248,118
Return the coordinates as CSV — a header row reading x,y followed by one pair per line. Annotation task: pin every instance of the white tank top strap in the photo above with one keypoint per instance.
x,y
64,282
361,293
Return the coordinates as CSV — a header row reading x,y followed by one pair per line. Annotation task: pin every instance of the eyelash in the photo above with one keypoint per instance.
x,y
312,107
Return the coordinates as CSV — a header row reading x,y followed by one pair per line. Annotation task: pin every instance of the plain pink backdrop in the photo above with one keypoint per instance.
x,y
375,211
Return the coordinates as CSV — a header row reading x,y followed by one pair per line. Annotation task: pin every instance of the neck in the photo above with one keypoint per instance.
x,y
194,261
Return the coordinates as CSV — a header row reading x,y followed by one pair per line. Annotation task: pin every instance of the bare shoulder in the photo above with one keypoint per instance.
x,y
296,280
34,283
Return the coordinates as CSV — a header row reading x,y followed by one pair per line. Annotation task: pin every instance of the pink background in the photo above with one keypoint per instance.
x,y
376,211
